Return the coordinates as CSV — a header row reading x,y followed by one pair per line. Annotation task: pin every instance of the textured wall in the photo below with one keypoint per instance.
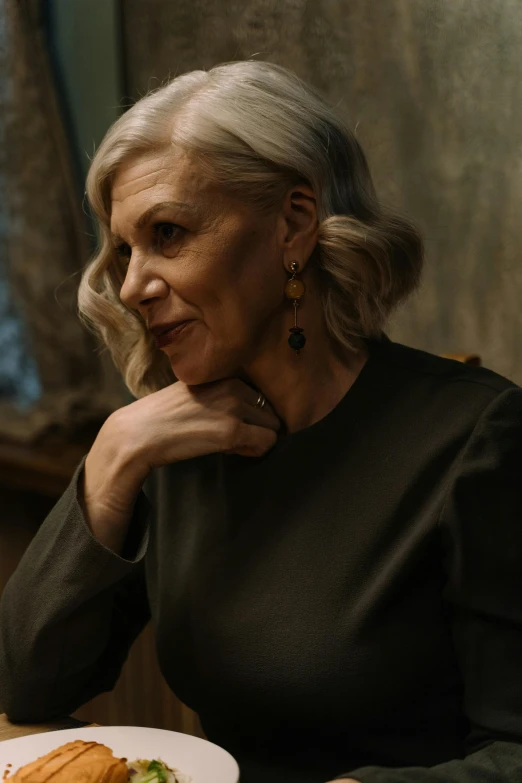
x,y
434,91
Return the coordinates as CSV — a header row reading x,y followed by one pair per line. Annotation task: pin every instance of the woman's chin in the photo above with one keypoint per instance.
x,y
194,374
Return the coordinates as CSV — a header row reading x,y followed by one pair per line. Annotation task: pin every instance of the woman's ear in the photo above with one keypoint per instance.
x,y
301,226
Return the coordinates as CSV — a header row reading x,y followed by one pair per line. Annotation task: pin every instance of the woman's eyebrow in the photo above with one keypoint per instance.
x,y
150,212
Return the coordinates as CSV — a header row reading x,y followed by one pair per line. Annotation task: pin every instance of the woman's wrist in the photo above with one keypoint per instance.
x,y
111,479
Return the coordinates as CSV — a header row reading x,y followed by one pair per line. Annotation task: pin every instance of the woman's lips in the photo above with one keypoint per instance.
x,y
169,337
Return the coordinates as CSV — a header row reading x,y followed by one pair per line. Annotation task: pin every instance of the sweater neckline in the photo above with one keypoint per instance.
x,y
349,406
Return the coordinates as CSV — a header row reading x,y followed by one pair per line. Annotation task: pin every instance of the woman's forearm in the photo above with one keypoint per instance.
x,y
499,762
67,615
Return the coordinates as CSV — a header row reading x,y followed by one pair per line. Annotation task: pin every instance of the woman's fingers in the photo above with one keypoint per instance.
x,y
261,417
247,430
264,415
243,401
253,441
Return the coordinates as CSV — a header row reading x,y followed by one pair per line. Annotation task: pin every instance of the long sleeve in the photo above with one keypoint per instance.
x,y
481,526
70,612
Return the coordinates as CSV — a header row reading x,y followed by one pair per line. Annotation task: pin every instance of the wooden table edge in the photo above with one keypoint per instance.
x,y
9,730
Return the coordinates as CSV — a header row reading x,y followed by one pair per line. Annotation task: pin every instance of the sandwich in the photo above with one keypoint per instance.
x,y
75,762
91,762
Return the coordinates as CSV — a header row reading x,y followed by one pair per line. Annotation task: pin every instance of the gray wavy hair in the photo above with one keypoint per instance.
x,y
257,130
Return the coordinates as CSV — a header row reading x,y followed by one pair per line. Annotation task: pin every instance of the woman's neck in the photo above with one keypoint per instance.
x,y
303,389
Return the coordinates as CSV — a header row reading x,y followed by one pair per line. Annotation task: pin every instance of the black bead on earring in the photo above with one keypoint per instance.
x,y
294,290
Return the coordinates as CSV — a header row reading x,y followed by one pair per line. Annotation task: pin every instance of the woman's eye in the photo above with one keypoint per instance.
x,y
165,237
123,251
166,234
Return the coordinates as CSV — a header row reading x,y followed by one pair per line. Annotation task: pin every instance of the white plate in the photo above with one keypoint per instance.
x,y
201,760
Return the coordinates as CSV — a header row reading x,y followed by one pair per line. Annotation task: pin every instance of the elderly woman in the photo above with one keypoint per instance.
x,y
324,525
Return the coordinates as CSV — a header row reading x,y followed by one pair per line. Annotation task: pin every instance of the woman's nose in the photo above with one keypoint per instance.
x,y
141,284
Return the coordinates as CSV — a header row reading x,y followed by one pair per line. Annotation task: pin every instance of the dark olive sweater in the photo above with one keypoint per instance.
x,y
350,603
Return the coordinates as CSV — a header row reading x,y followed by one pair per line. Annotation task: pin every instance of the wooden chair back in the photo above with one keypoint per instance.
x,y
467,358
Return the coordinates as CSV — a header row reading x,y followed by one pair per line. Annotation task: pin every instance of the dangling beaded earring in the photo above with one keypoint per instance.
x,y
294,290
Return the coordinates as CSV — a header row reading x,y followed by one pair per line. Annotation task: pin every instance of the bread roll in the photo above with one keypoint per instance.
x,y
75,762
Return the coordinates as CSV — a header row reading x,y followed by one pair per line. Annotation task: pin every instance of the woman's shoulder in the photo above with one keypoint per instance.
x,y
445,371
439,393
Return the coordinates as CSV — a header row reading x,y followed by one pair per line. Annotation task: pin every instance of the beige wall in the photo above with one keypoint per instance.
x,y
434,89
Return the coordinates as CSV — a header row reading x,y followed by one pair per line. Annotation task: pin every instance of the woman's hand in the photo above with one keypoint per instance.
x,y
181,422
176,423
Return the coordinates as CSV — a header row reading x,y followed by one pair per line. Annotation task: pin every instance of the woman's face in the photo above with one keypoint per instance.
x,y
194,252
